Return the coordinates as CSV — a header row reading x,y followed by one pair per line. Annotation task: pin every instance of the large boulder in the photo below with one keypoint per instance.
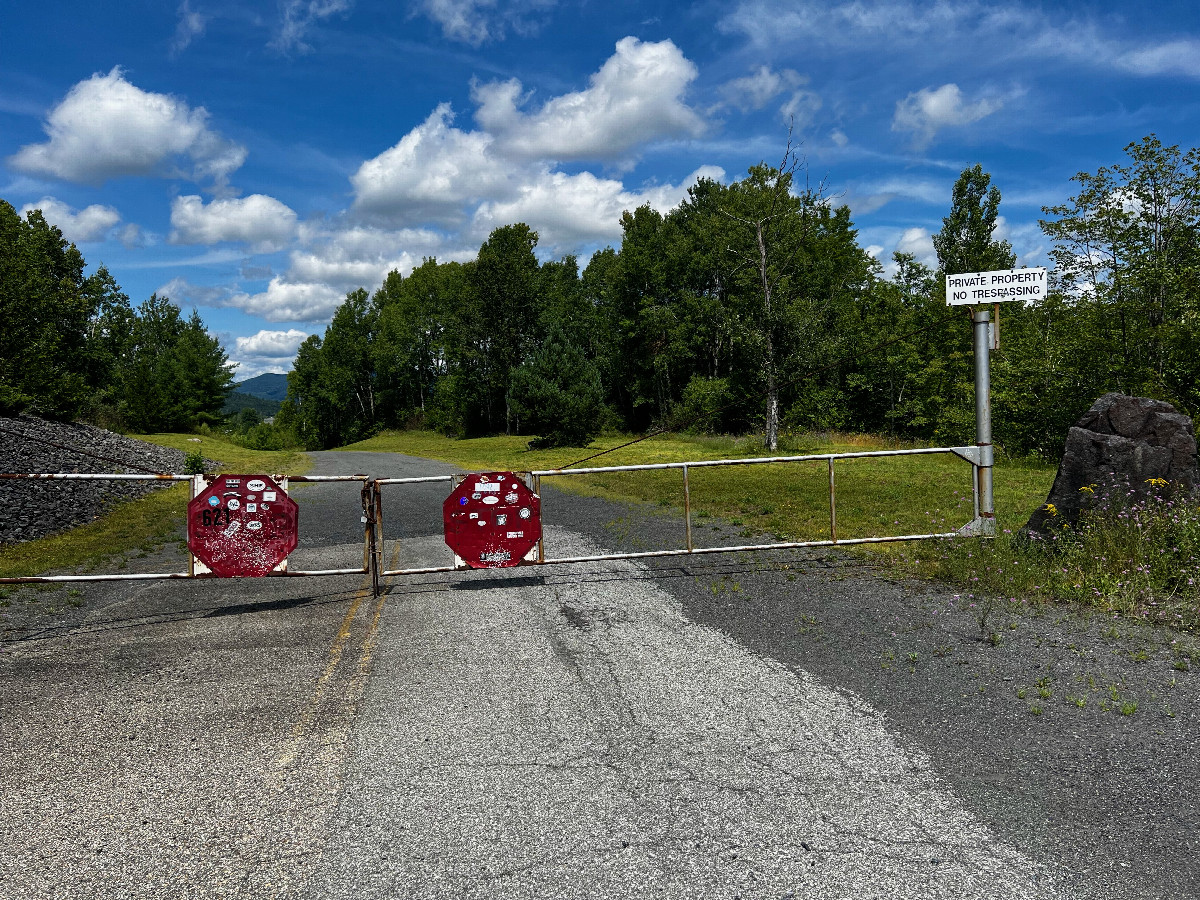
x,y
1126,445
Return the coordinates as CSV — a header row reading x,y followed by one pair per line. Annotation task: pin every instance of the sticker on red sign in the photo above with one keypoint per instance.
x,y
242,525
492,520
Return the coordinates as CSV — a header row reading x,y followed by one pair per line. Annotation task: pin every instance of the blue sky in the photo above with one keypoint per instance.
x,y
259,160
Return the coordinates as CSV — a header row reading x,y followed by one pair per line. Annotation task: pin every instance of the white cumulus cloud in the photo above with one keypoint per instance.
x,y
285,301
918,242
431,175
635,98
106,128
571,211
261,221
927,111
81,226
271,344
440,174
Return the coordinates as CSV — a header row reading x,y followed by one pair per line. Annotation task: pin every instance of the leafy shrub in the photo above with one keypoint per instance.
x,y
193,463
700,409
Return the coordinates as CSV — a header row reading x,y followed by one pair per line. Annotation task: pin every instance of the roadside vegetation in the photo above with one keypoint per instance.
x,y
145,523
1130,556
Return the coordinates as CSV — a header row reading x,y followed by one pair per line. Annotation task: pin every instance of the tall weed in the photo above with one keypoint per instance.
x,y
1135,551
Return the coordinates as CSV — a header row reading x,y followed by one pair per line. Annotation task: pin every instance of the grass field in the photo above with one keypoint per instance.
x,y
144,523
875,497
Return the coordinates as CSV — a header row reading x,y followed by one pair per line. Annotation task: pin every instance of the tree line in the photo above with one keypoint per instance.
x,y
752,306
72,346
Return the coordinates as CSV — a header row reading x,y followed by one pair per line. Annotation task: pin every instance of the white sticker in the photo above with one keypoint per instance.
x,y
524,514
256,485
251,507
481,522
234,503
233,527
510,497
474,515
487,487
490,499
253,526
516,534
502,519
268,496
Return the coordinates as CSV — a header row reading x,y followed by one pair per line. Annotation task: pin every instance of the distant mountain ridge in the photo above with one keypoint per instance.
x,y
270,386
237,401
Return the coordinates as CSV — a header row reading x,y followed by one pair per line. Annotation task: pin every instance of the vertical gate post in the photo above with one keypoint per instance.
x,y
370,535
832,505
687,509
981,319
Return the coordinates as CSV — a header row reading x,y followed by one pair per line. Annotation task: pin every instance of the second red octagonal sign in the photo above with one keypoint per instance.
x,y
492,520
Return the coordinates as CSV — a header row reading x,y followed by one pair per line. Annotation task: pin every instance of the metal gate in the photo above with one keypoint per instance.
x,y
980,525
198,484
372,513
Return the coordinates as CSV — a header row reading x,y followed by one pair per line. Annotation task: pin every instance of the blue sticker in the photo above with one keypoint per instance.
x,y
214,501
462,501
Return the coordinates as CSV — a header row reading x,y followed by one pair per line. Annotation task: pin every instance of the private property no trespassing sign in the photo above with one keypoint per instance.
x,y
996,287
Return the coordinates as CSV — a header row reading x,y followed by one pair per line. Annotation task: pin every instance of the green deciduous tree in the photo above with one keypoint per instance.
x,y
46,304
1127,259
966,242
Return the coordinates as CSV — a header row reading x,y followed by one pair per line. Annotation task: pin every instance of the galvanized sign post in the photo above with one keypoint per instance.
x,y
975,289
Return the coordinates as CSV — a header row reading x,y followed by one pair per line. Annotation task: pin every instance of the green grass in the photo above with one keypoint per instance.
x,y
232,457
143,523
1138,561
875,497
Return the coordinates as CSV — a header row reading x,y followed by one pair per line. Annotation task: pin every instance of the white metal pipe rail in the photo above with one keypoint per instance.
x,y
372,518
368,566
969,453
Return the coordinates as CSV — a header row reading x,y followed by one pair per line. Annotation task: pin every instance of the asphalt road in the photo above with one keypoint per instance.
x,y
789,725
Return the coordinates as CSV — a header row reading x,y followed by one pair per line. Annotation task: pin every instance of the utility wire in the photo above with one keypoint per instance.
x,y
81,451
808,374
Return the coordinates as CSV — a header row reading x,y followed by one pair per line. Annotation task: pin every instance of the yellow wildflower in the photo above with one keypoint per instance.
x,y
1159,482
1052,509
1090,488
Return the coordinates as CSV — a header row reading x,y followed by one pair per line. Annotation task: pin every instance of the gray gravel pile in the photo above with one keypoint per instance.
x,y
34,509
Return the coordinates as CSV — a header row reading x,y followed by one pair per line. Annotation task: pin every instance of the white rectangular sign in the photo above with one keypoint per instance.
x,y
996,287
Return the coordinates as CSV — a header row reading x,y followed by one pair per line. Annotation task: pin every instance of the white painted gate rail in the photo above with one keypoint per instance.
x,y
982,524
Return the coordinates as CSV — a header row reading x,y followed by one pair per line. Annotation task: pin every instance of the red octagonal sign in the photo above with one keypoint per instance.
x,y
242,525
492,520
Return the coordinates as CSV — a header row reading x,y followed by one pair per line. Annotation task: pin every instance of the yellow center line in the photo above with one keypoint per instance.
x,y
309,713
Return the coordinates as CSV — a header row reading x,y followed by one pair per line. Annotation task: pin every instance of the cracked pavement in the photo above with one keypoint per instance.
x,y
743,726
